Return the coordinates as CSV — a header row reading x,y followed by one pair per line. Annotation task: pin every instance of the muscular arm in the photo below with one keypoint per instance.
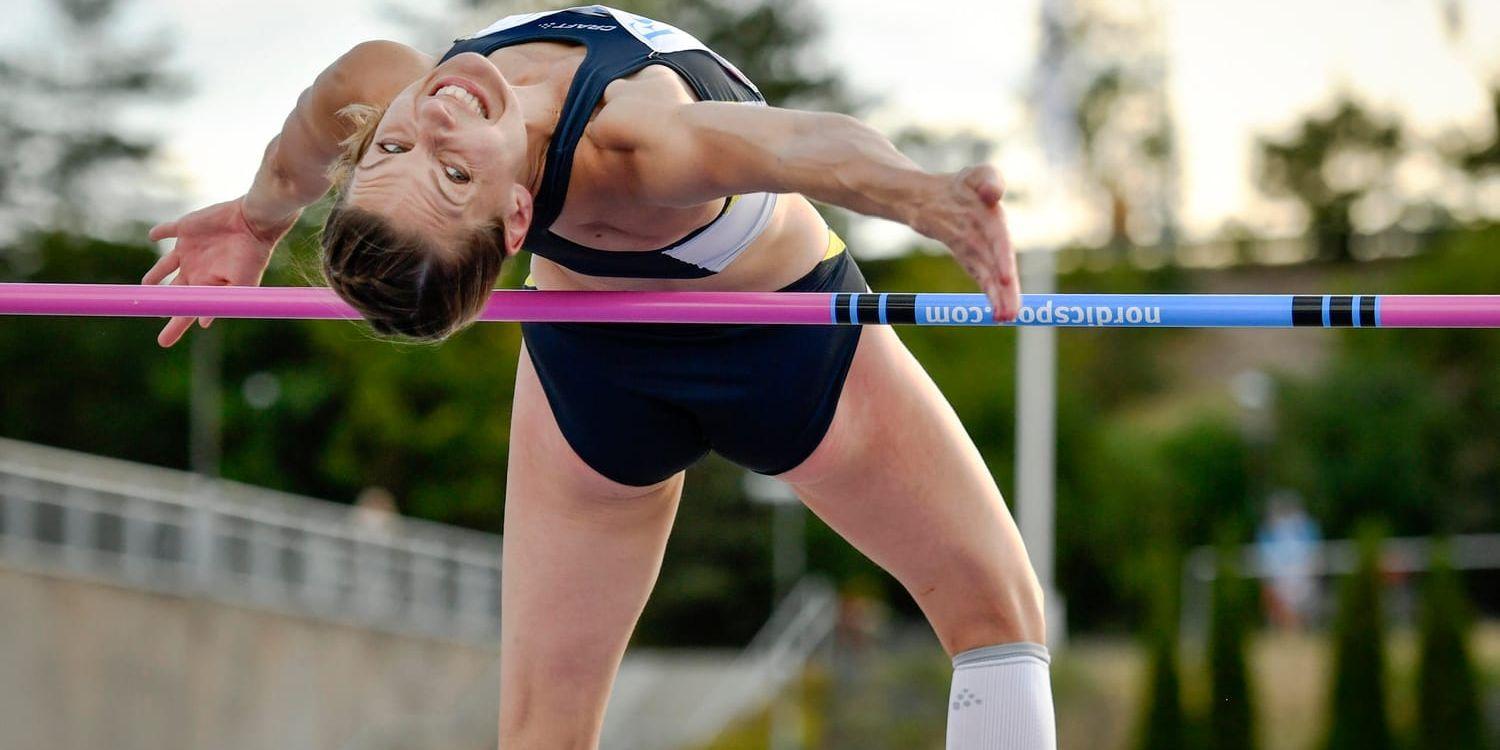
x,y
687,154
691,153
231,242
293,171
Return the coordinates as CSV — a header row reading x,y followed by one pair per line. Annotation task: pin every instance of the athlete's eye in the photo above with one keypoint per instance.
x,y
457,175
390,147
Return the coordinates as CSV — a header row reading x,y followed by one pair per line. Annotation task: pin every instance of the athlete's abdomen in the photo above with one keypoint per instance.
x,y
794,241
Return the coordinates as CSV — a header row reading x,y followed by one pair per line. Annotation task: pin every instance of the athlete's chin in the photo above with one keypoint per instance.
x,y
477,69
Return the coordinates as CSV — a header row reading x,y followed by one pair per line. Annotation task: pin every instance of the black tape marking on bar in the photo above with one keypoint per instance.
x,y
900,308
868,306
1341,311
841,308
1367,311
1307,310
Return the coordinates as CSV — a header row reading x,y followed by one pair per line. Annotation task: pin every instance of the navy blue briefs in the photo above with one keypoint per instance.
x,y
639,403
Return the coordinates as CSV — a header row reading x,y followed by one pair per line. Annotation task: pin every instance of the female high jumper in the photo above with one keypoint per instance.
x,y
625,155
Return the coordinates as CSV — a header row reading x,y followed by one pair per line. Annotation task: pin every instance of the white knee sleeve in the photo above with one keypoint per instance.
x,y
1002,699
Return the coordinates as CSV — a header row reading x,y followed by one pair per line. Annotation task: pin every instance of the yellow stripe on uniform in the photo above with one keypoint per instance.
x,y
835,244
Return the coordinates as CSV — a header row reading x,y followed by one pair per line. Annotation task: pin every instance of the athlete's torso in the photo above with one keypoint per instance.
x,y
591,221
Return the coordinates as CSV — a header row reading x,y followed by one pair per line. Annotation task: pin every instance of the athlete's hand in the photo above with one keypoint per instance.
x,y
964,213
216,246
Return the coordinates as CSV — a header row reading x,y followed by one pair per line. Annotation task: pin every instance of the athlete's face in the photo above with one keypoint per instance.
x,y
447,155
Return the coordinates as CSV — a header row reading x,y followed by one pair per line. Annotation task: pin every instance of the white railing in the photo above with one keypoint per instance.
x,y
66,513
662,700
775,658
1330,558
171,532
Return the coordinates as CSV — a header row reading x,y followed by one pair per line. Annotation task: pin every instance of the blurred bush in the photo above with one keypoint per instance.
x,y
1357,705
1230,720
1163,722
1448,689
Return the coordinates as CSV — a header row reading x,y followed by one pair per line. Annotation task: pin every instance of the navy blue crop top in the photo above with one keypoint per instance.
x,y
618,44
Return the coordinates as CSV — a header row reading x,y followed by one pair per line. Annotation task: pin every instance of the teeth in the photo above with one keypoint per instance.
x,y
461,95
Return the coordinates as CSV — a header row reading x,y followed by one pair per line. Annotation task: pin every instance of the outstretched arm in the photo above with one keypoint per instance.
x,y
230,243
695,152
293,172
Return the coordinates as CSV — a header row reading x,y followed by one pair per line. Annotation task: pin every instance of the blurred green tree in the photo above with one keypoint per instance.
x,y
1109,58
1230,722
1368,434
1401,423
1482,159
1163,723
1328,164
1448,689
1357,713
101,386
68,159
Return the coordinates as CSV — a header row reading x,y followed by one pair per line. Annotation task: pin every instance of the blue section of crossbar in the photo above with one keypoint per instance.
x,y
1116,310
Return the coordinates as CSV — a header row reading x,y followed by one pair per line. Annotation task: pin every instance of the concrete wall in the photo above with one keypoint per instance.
x,y
90,666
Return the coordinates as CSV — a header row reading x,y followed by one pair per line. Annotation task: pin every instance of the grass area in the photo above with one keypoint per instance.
x,y
1098,684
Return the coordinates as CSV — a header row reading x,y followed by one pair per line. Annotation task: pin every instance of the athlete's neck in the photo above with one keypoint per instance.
x,y
540,106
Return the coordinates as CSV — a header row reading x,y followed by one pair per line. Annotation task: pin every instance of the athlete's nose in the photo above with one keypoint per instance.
x,y
435,112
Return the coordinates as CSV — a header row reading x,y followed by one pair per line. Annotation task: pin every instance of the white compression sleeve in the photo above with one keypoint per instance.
x,y
1002,699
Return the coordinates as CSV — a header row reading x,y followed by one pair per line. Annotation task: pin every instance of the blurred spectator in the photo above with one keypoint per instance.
x,y
863,616
1287,543
375,513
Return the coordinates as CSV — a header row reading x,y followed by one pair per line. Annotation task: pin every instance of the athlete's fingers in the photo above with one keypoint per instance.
x,y
205,322
1007,291
1009,305
992,297
1006,275
173,331
163,267
1000,301
162,231
1005,252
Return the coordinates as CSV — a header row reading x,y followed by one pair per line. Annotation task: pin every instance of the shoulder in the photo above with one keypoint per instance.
x,y
374,71
638,107
369,57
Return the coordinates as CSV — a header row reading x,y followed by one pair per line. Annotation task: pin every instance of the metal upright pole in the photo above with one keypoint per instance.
x,y
788,566
1036,442
1036,351
205,403
205,400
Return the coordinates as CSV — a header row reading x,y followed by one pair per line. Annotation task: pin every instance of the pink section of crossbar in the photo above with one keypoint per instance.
x,y
805,308
1422,311
321,303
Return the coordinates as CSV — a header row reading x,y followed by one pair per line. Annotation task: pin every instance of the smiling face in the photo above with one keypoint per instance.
x,y
431,201
448,154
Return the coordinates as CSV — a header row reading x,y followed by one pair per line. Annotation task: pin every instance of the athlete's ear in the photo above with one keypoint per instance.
x,y
517,219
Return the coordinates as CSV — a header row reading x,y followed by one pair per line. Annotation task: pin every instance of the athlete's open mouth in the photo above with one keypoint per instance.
x,y
463,92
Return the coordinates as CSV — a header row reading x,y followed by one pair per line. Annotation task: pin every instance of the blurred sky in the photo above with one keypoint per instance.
x,y
1236,69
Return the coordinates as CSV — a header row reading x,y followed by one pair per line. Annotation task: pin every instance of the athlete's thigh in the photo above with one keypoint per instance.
x,y
900,479
581,554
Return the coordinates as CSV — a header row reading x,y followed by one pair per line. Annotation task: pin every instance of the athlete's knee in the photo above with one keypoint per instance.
x,y
983,606
554,693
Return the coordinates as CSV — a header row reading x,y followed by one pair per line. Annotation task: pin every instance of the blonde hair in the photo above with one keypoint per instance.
x,y
366,119
405,285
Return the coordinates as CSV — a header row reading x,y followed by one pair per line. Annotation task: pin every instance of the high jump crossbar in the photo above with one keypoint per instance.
x,y
796,308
